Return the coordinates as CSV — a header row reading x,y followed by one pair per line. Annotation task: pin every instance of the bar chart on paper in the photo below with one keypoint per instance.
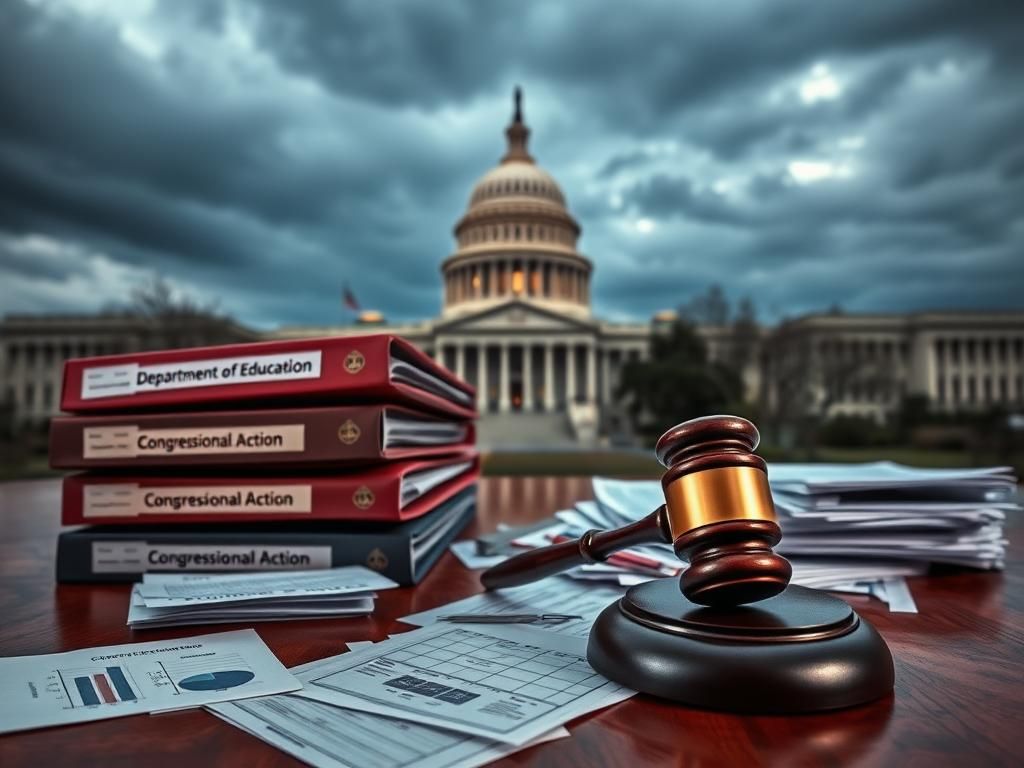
x,y
118,680
91,687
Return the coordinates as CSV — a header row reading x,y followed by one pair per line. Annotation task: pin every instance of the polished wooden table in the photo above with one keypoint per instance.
x,y
959,667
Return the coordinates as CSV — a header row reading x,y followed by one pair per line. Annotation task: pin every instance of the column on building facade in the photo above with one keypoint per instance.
x,y
570,373
481,378
549,377
460,360
606,377
591,373
503,380
527,377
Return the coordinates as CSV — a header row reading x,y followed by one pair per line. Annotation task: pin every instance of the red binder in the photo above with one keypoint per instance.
x,y
375,368
387,493
281,437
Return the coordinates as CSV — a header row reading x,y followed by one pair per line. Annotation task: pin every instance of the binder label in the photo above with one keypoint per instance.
x,y
129,441
131,500
132,378
141,556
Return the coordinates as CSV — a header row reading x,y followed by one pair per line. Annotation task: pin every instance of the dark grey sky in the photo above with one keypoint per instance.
x,y
262,154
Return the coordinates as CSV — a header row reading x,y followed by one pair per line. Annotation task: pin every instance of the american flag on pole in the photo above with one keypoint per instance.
x,y
349,299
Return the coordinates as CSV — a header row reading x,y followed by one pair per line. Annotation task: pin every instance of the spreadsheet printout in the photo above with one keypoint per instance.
x,y
501,682
325,736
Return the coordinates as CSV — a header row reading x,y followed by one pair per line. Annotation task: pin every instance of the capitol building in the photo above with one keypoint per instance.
x,y
516,322
516,318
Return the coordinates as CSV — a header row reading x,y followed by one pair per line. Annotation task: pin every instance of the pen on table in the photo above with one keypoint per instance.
x,y
507,618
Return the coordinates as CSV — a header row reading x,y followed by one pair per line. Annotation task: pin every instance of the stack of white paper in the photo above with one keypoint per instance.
x,y
172,599
858,512
858,528
885,510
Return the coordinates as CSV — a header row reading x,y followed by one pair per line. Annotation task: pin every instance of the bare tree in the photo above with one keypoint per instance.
x,y
807,375
709,308
158,300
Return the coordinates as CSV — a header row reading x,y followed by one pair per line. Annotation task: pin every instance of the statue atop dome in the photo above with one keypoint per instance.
x,y
517,132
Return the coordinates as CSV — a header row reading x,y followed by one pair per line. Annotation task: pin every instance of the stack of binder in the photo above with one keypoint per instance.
x,y
303,454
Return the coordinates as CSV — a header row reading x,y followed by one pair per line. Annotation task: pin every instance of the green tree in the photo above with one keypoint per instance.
x,y
677,383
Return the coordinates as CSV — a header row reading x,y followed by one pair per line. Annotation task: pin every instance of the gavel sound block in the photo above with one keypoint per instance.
x,y
730,634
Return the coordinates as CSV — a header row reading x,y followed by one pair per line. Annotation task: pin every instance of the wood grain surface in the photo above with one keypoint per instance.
x,y
959,696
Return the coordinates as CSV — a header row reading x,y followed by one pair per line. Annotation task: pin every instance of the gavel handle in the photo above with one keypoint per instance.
x,y
592,547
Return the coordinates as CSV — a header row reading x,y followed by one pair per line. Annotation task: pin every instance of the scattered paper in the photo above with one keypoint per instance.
x,y
326,736
118,680
896,593
142,617
330,737
552,595
499,682
467,554
173,599
161,590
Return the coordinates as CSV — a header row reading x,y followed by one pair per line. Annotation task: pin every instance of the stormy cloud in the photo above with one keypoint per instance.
x,y
260,155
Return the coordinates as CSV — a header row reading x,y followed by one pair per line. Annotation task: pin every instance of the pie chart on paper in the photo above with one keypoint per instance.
x,y
216,681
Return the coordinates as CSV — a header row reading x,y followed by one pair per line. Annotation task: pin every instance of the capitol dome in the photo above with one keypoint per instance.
x,y
517,239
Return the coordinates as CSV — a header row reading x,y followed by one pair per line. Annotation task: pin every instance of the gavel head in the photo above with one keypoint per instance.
x,y
719,510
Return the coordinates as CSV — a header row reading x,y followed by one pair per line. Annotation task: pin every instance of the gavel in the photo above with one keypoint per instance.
x,y
718,515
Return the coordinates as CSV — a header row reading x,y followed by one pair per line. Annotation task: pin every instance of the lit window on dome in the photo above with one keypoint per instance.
x,y
476,282
517,282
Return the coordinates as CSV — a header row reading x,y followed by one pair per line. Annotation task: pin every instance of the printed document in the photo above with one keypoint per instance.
x,y
331,737
555,594
161,590
117,680
500,682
